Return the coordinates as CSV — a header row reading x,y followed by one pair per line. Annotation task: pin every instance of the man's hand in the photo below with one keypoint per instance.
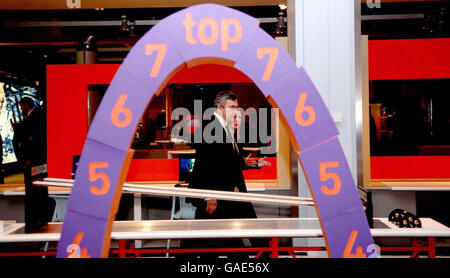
x,y
211,206
262,162
250,162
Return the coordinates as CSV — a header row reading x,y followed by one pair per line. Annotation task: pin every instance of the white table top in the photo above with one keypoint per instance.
x,y
171,190
413,185
229,228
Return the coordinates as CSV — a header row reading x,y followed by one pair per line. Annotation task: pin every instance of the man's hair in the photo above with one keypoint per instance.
x,y
223,96
28,101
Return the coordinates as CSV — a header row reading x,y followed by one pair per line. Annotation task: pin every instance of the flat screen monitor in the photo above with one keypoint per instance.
x,y
75,161
11,116
186,167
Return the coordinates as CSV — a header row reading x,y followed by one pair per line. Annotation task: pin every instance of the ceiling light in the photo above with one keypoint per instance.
x,y
124,25
280,26
133,29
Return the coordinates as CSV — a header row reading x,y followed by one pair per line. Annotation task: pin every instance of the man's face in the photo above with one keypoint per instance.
x,y
229,111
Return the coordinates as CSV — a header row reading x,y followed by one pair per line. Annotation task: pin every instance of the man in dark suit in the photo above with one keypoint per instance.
x,y
37,203
33,133
2,180
218,166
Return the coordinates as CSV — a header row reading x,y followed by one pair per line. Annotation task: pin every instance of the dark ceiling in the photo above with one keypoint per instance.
x,y
31,39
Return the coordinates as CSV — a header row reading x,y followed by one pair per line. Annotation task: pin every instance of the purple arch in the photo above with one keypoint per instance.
x,y
204,34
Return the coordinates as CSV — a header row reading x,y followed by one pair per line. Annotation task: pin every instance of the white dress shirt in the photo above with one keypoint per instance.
x,y
225,126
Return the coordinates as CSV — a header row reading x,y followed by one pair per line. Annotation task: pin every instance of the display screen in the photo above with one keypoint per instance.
x,y
10,114
186,168
75,162
410,117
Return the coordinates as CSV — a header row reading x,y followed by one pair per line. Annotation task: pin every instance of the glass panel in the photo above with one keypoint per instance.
x,y
410,117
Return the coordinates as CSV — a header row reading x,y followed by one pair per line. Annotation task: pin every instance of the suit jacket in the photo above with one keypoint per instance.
x,y
1,161
218,166
34,138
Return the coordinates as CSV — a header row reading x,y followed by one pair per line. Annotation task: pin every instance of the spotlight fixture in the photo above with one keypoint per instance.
x,y
90,42
133,29
436,22
124,25
88,45
280,26
128,26
87,51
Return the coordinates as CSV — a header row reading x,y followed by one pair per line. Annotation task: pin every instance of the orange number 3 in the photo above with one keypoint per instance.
x,y
349,246
324,176
94,175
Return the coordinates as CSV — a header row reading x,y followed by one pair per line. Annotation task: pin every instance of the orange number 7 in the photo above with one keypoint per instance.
x,y
349,246
162,49
273,55
324,176
94,175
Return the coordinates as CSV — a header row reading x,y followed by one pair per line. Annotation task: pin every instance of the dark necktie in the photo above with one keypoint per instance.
x,y
235,146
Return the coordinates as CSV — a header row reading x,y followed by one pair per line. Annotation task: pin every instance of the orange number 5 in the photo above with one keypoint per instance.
x,y
324,176
162,49
301,107
349,246
118,110
94,175
273,55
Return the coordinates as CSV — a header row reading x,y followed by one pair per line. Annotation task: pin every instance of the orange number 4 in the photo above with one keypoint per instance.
x,y
349,246
73,250
325,175
161,48
273,55
94,175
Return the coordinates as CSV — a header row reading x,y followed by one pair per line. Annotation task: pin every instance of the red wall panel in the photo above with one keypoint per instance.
x,y
409,59
67,117
167,170
153,170
388,59
410,167
210,74
67,111
265,173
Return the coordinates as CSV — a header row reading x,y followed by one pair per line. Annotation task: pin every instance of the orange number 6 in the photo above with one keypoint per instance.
x,y
273,55
120,109
324,176
94,175
349,246
301,107
162,49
